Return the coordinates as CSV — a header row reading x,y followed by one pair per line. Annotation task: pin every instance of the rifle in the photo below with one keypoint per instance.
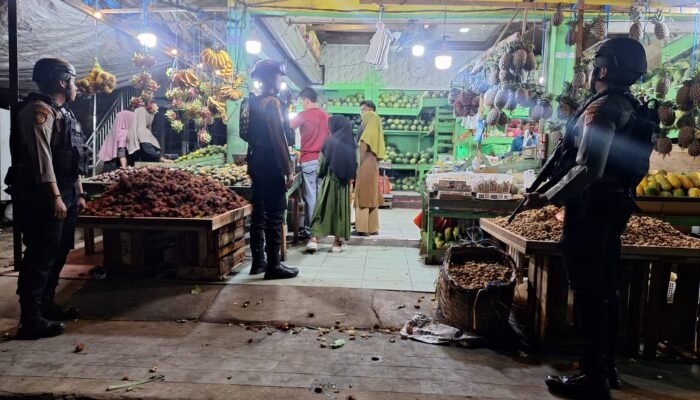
x,y
545,174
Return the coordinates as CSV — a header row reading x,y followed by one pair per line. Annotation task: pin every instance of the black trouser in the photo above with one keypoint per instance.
x,y
46,238
593,224
269,204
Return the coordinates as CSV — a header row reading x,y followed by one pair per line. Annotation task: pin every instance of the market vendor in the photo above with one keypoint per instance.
x,y
368,198
524,138
313,126
605,154
141,144
48,157
113,151
270,168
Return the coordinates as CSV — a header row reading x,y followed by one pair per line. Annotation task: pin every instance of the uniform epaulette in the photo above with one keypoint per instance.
x,y
593,110
41,113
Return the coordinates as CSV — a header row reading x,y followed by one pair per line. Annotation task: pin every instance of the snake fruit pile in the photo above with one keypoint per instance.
x,y
159,192
478,275
641,231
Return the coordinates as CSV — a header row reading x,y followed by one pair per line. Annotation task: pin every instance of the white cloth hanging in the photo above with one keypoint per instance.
x,y
379,45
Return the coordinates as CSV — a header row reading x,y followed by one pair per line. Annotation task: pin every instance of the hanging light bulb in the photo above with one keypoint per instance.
x,y
418,50
173,52
284,86
147,39
443,61
98,15
256,84
253,45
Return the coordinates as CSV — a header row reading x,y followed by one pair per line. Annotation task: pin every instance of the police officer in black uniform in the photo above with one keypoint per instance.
x,y
602,150
48,157
270,168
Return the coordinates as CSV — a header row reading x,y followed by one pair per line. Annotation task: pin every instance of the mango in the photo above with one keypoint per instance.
x,y
663,182
674,180
694,192
640,190
665,193
678,193
651,191
448,234
695,180
686,183
697,174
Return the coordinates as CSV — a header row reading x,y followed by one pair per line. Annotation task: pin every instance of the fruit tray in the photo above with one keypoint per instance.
x,y
669,205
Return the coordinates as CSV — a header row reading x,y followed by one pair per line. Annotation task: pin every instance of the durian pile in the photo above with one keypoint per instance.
x,y
669,184
97,81
227,175
161,192
542,225
212,150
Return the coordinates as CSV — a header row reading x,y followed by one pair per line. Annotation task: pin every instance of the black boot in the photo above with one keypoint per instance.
x,y
581,386
613,378
273,244
32,325
259,264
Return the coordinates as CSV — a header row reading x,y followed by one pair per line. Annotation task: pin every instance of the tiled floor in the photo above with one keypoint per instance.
x,y
371,267
361,266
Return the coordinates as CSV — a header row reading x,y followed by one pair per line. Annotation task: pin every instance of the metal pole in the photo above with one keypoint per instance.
x,y
94,133
14,97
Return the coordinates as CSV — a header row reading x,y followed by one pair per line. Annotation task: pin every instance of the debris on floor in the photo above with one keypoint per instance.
x,y
130,385
424,329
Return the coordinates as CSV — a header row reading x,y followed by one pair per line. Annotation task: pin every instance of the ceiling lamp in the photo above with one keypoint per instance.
x,y
253,45
443,61
464,29
147,39
418,50
98,15
256,84
173,52
284,86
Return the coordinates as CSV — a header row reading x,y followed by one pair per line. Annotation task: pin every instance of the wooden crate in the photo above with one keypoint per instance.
x,y
205,248
647,317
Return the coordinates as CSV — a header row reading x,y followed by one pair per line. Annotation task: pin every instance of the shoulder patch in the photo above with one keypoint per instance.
x,y
41,113
271,100
593,111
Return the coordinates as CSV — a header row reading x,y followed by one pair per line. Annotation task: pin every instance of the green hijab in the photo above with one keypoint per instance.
x,y
373,133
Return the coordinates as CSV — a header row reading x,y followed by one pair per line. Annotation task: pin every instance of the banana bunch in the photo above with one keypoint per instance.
x,y
216,107
186,78
237,81
230,93
218,61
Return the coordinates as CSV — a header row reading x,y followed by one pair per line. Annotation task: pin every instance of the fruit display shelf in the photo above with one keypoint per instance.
x,y
410,112
678,211
343,110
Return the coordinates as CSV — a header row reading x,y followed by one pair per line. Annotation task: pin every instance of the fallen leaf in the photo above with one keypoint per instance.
x,y
351,332
79,347
338,343
195,290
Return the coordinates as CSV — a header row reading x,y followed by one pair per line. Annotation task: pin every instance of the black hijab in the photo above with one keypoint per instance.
x,y
340,149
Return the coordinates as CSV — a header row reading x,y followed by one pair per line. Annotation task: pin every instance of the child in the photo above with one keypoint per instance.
x,y
337,166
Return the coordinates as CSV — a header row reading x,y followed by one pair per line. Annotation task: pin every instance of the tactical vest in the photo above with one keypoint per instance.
x,y
68,150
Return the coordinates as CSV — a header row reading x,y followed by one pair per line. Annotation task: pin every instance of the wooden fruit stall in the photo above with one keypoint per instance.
x,y
647,315
204,248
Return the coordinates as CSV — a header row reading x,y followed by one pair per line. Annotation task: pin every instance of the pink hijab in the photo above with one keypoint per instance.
x,y
117,136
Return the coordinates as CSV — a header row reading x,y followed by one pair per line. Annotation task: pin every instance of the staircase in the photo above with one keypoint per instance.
x,y
444,131
95,141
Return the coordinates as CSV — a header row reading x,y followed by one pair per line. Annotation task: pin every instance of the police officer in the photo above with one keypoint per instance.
x,y
602,147
47,160
270,168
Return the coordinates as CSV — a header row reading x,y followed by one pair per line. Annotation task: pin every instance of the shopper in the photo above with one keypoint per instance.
x,y
48,157
605,153
270,168
140,142
113,152
337,166
524,138
368,198
313,126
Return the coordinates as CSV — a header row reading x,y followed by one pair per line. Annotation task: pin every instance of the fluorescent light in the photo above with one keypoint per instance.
x,y
443,61
418,50
426,26
284,86
541,80
253,46
147,39
464,29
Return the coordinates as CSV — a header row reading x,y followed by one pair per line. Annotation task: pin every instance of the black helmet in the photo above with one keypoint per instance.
x,y
52,69
625,57
265,68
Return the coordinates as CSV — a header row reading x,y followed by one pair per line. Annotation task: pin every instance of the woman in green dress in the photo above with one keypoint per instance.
x,y
337,166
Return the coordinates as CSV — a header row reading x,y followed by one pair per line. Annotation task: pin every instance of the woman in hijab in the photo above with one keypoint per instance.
x,y
140,143
368,198
113,151
337,166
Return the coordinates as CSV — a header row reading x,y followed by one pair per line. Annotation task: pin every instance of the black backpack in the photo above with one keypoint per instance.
x,y
632,146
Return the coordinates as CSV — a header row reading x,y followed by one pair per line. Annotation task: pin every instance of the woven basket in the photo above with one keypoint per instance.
x,y
484,311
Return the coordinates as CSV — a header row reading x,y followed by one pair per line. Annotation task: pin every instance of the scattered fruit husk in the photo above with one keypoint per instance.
x,y
79,347
196,290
